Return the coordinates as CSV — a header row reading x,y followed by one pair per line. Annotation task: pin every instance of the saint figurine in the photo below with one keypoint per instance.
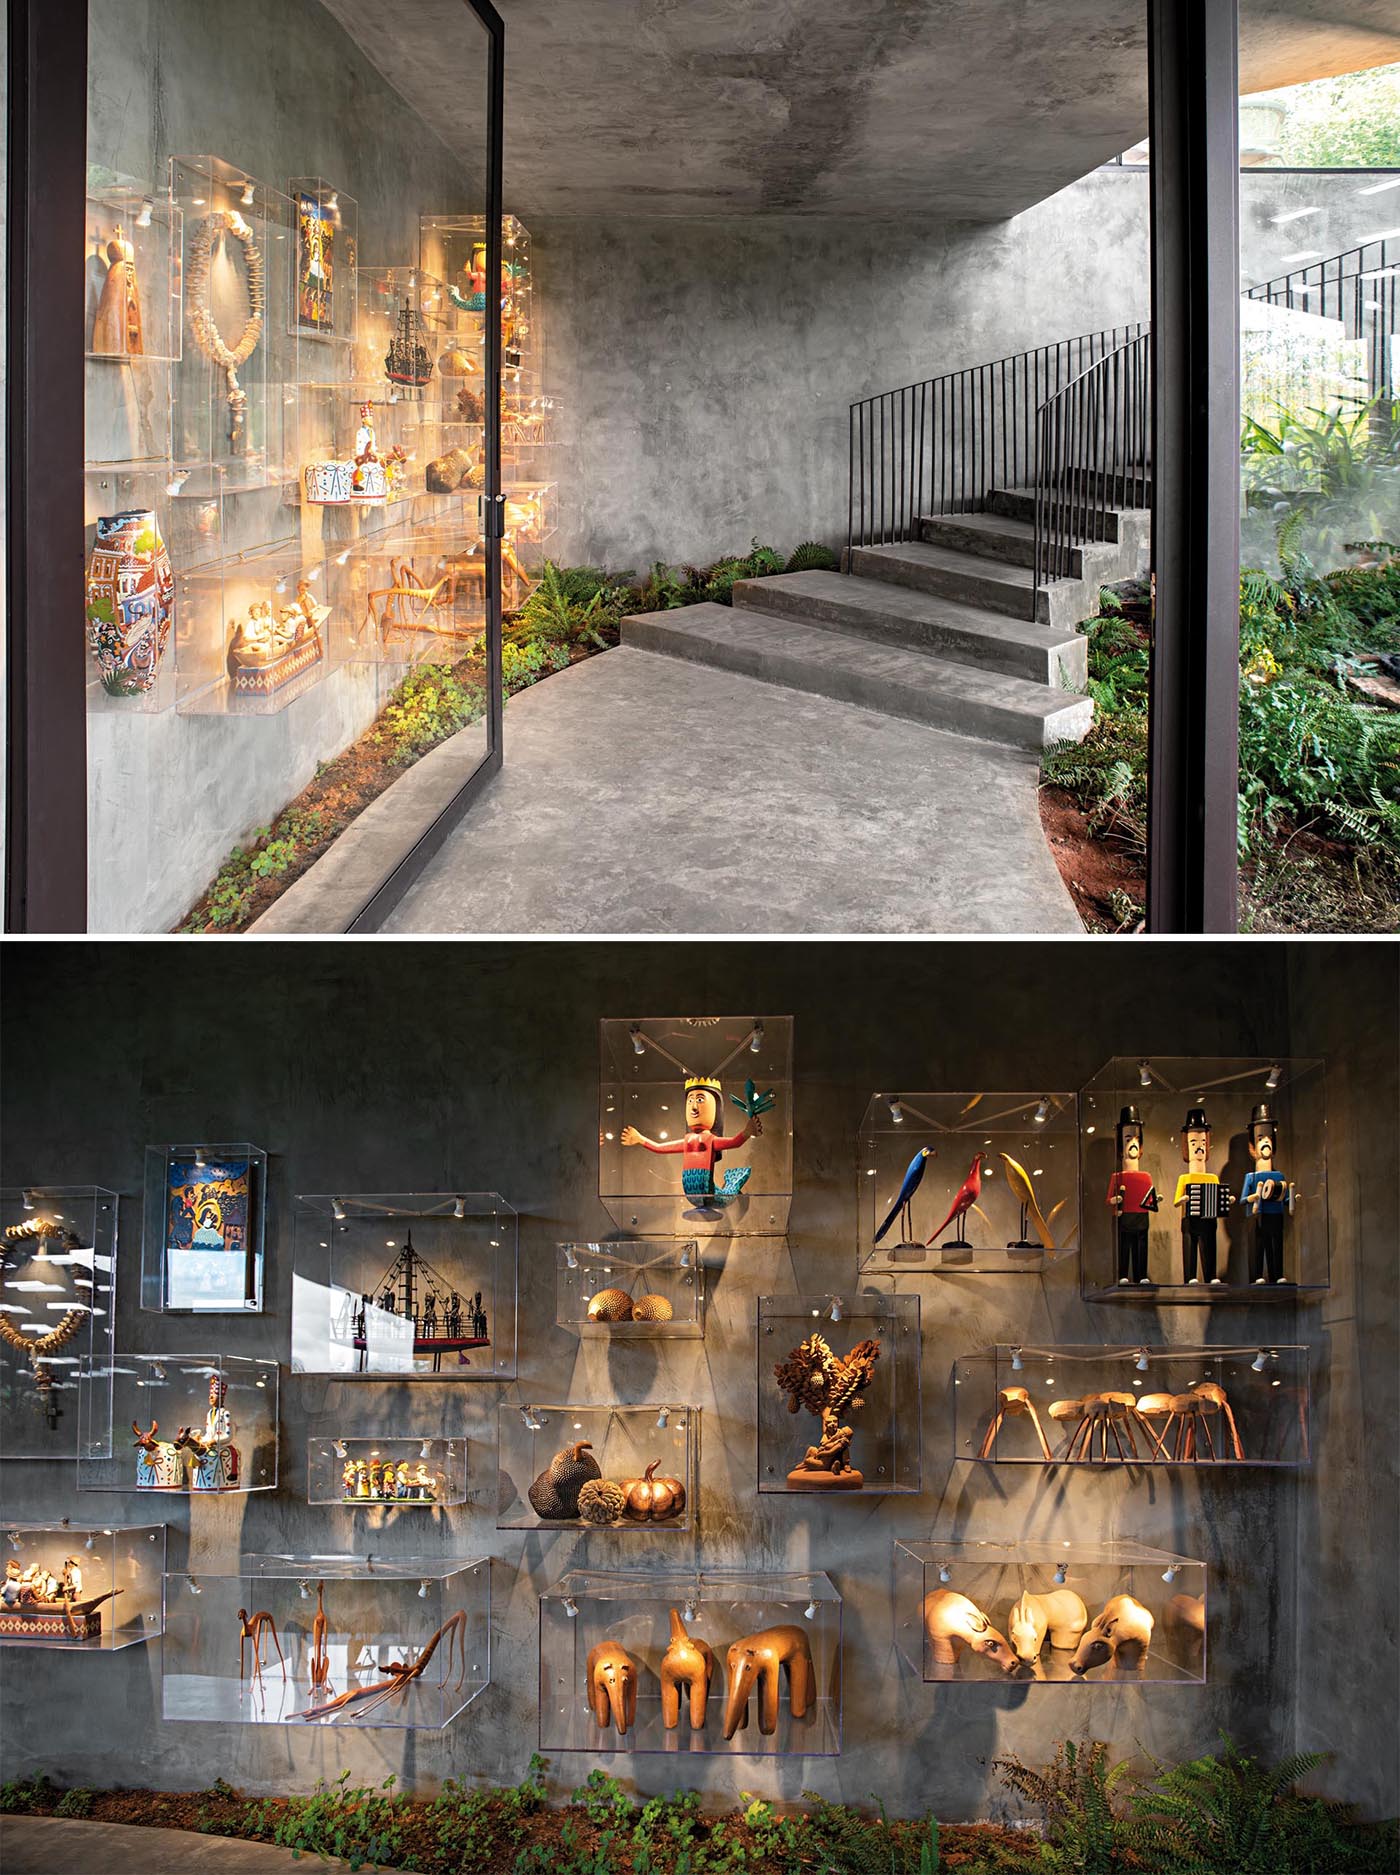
x,y
116,330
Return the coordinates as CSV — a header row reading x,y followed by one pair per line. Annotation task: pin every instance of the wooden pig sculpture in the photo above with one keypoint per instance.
x,y
755,1664
690,1664
1121,1632
1059,1613
952,1622
612,1685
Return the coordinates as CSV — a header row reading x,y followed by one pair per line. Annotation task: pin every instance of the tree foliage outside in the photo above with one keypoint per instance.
x,y
1348,122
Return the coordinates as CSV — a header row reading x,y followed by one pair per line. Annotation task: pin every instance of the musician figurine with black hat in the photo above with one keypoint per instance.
x,y
1132,1197
1268,1196
1201,1199
703,1146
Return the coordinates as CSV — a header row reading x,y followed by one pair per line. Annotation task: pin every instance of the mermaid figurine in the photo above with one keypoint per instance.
x,y
702,1146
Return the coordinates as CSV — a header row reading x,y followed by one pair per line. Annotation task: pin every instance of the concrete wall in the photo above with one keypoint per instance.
x,y
395,1068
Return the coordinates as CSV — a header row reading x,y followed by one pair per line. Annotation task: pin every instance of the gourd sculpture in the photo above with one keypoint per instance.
x,y
554,1494
755,1665
826,1384
686,1664
612,1686
1121,1632
652,1308
952,1622
1060,1614
650,1499
610,1305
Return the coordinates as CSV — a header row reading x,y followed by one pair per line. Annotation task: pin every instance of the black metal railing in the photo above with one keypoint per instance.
x,y
1360,290
938,446
1091,450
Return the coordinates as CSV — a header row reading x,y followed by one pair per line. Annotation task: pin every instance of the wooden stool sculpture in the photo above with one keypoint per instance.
x,y
686,1663
1213,1391
1066,1413
1010,1402
612,1686
253,1628
755,1664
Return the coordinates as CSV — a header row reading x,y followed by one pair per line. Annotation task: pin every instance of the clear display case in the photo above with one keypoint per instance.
x,y
198,1423
324,296
842,1372
453,248
1243,1405
967,1182
416,593
202,1248
1055,1613
255,629
59,1247
343,1641
626,1468
745,1663
1203,1178
81,1586
645,1289
416,1285
391,1474
671,1088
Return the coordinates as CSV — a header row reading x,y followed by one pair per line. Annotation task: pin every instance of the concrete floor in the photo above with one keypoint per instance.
x,y
53,1845
643,794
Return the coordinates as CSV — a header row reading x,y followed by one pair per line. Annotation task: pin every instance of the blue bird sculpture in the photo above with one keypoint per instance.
x,y
900,1208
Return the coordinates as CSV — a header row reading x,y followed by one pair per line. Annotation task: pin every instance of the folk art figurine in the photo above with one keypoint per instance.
x,y
702,1145
159,1465
1268,1196
966,1200
952,1622
612,1686
1060,1613
1201,1199
215,1458
826,1385
913,1178
1012,1403
1120,1632
252,1631
116,330
130,601
36,1605
687,1665
755,1665
1132,1197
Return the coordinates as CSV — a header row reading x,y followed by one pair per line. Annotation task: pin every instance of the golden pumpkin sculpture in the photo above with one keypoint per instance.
x,y
650,1499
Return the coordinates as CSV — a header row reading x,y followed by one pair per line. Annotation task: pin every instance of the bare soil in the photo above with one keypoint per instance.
x,y
1092,867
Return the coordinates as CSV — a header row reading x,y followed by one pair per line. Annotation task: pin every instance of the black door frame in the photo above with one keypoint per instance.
x,y
46,772
1193,730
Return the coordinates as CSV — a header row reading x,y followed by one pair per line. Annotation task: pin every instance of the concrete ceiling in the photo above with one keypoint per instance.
x,y
928,109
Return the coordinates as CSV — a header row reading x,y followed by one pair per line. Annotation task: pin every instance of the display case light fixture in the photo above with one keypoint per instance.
x,y
177,481
896,1110
685,1259
459,1207
158,1370
532,1419
304,1589
570,1260
201,1162
692,1613
662,1417
1141,1362
1273,1077
1258,1362
247,196
639,1047
13,1539
337,1210
945,1574
91,1540
333,205
1016,1362
28,1199
1170,1573
340,1450
143,219
1060,1574
423,1588
835,1311
193,1586
756,1039
810,1611
1042,1112
571,1608
1144,1074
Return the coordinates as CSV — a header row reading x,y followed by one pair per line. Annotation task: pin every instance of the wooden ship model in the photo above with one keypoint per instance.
x,y
406,361
444,1322
38,1606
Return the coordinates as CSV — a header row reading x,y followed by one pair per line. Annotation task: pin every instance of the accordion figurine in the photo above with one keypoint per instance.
x,y
1212,1200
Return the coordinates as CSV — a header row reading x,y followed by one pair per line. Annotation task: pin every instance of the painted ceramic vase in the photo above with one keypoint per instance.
x,y
130,601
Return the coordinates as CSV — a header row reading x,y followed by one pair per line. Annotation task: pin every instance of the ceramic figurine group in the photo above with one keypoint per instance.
x,y
1121,1632
267,652
197,1461
754,1666
37,1605
572,1488
381,1481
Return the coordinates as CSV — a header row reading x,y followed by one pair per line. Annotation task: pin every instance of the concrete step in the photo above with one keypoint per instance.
x,y
888,679
1129,526
877,612
971,580
990,535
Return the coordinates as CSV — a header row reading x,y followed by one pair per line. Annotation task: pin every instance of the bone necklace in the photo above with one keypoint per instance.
x,y
202,322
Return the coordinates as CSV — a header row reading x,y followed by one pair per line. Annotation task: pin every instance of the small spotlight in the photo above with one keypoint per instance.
x,y
1016,1361
571,1608
304,1588
247,196
685,1259
810,1611
340,1450
570,1260
639,1047
945,1574
28,1198
663,1416
756,1039
13,1539
1171,1572
342,558
92,1540
201,1162
1144,1074
896,1110
691,1612
337,1210
423,1588
333,205
1273,1077
193,1586
1258,1362
459,1207
143,220
424,1449
1141,1361
1059,1575
1042,1112
835,1311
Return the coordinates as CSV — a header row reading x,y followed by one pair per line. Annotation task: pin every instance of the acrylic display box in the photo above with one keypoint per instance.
x,y
1008,1612
324,290
414,1285
544,1480
648,1288
255,629
250,1649
646,1063
779,1699
1246,1405
202,1248
388,1474
821,1344
189,1424
81,1586
1244,1099
58,1253
131,276
967,1183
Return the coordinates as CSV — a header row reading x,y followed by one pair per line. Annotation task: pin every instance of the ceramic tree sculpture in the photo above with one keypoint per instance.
x,y
952,1622
826,1385
1269,1197
1132,1198
755,1664
1060,1613
1121,1632
612,1686
702,1147
687,1665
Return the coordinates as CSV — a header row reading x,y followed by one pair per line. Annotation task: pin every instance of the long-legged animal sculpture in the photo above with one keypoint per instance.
x,y
253,1628
402,1674
686,1663
1012,1401
756,1663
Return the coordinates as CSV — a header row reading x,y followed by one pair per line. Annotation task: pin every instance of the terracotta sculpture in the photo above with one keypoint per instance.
x,y
1011,1402
952,1622
1121,1632
253,1628
755,1664
116,331
1268,1197
827,1384
159,1466
1187,1611
612,1686
1060,1613
966,1200
687,1664
1132,1197
702,1147
1201,1199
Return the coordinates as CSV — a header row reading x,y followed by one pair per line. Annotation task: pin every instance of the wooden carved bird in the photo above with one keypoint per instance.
x,y
1019,1180
913,1178
968,1193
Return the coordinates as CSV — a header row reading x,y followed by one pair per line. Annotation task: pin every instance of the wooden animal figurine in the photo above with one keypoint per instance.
x,y
159,1466
690,1664
612,1686
1132,1198
701,1148
1187,1611
1022,1186
402,1674
827,1384
968,1193
1201,1199
320,1658
1121,1632
1011,1402
253,1628
755,1664
952,1622
1268,1197
1060,1613
913,1178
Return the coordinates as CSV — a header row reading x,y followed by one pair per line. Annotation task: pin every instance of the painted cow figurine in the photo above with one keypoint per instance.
x,y
159,1465
952,1622
214,1467
1059,1613
1121,1632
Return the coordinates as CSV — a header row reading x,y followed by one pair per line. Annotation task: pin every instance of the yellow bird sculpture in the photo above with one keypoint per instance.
x,y
1019,1179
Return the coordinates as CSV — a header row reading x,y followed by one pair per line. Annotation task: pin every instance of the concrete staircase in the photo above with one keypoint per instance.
x,y
946,630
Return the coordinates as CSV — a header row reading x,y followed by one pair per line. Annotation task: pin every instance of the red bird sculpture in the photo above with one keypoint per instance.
x,y
968,1193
